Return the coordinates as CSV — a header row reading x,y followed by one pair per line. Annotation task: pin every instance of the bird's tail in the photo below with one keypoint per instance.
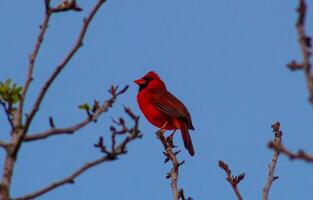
x,y
186,137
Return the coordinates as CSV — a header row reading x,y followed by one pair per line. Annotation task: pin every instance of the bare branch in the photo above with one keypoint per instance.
x,y
32,59
61,66
20,129
300,155
17,122
305,45
57,131
72,129
67,6
47,5
182,195
7,113
3,144
68,180
233,181
171,156
132,134
51,122
271,178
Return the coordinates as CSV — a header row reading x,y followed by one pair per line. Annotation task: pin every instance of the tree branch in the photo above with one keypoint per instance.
x,y
67,6
32,59
171,156
68,180
72,129
182,195
7,113
271,178
60,67
132,134
305,46
4,144
300,155
16,122
233,181
20,129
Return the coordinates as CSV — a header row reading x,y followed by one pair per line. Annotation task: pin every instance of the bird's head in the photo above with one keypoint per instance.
x,y
150,81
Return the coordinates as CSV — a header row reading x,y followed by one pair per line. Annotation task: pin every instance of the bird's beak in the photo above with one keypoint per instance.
x,y
140,82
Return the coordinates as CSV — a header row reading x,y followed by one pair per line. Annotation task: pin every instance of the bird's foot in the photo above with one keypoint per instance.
x,y
160,132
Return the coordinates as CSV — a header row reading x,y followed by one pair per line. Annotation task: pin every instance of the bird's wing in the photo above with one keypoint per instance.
x,y
171,106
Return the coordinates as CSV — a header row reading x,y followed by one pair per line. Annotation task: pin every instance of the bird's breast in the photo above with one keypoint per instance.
x,y
153,114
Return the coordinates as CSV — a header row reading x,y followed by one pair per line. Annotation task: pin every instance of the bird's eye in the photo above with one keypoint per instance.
x,y
147,79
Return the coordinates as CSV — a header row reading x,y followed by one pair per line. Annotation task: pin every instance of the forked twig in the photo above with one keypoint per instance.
x,y
61,66
130,134
72,129
233,180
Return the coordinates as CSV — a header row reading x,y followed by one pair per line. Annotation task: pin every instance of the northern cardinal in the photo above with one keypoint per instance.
x,y
162,109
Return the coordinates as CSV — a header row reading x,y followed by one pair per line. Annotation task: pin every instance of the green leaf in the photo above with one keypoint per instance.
x,y
10,92
15,99
19,89
84,106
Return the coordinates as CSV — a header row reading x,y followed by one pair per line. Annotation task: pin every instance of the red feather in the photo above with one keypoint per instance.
x,y
160,106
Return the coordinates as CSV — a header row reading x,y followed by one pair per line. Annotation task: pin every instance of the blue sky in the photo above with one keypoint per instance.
x,y
224,59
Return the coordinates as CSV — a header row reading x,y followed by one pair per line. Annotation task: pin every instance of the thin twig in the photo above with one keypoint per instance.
x,y
20,129
16,122
60,67
72,129
300,155
233,180
271,168
7,113
132,134
32,59
305,45
171,156
3,144
67,6
182,195
68,180
57,131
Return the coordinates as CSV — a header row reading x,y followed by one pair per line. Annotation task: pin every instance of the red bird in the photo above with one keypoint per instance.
x,y
162,109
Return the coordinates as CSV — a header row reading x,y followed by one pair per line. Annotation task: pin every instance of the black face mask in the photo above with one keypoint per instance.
x,y
143,86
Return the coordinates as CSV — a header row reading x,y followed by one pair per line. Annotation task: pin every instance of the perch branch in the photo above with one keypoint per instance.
x,y
271,168
171,156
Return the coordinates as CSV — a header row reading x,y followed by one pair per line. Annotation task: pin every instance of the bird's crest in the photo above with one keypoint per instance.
x,y
152,75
